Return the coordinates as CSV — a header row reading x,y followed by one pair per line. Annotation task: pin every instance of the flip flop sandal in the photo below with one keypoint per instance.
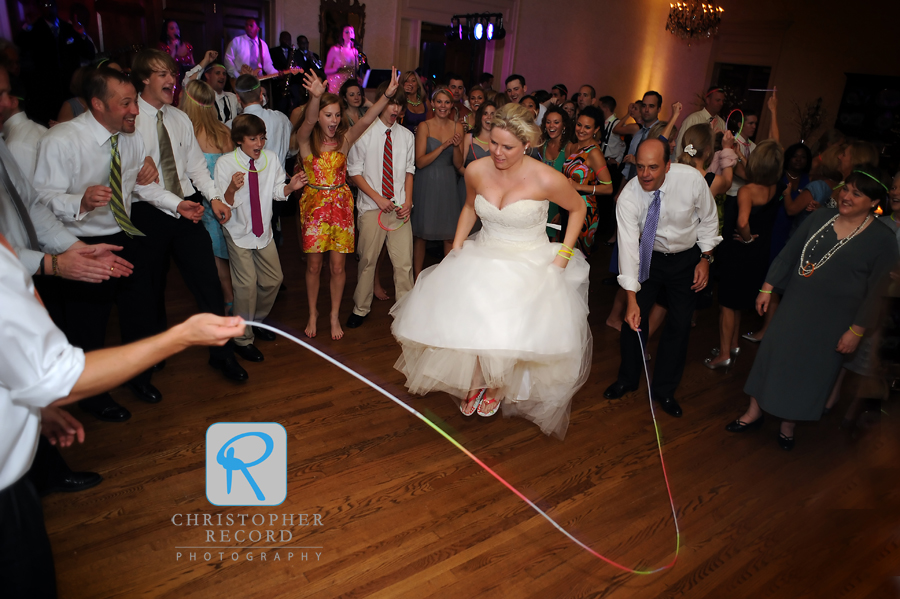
x,y
493,410
471,404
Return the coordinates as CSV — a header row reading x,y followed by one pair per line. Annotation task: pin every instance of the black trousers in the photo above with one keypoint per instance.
x,y
26,560
190,246
82,310
48,467
673,273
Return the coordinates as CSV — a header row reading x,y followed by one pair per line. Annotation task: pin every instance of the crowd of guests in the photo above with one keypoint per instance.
x,y
166,159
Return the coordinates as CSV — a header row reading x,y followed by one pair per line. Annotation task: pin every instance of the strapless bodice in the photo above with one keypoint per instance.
x,y
522,223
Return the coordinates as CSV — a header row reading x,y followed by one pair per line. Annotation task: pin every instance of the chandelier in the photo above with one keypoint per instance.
x,y
693,20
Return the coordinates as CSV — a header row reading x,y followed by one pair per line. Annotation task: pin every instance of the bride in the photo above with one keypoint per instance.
x,y
502,320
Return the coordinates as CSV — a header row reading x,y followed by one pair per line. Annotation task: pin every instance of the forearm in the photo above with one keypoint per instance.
x,y
107,368
573,227
426,159
464,225
363,185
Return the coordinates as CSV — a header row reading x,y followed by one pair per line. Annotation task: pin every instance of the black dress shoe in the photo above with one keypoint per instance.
x,y
355,320
249,353
103,407
786,443
739,426
617,390
230,368
158,367
264,334
670,406
145,392
72,482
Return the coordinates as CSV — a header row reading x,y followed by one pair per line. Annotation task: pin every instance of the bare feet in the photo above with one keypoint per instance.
x,y
614,323
336,331
311,325
381,294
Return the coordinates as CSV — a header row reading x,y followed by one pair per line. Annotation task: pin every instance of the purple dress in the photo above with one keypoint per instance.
x,y
411,120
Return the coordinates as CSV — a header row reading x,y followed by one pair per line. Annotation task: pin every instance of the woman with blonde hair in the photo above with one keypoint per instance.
x,y
326,208
418,108
743,256
214,139
436,204
503,318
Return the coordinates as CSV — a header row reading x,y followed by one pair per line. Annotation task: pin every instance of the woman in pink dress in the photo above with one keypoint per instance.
x,y
342,60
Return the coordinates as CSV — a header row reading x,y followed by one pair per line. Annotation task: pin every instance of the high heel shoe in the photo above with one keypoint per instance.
x,y
749,337
786,443
735,352
726,364
739,426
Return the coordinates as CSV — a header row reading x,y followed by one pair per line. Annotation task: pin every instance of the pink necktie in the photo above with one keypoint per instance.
x,y
255,209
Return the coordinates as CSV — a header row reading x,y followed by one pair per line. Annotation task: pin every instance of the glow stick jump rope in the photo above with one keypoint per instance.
x,y
475,459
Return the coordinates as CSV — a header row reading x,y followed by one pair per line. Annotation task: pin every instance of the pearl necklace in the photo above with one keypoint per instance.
x,y
806,267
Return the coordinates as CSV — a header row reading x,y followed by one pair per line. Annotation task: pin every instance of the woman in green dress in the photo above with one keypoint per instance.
x,y
557,133
833,270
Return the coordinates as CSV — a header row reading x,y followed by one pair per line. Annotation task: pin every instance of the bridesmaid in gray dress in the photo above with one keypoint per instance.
x,y
833,271
436,203
477,145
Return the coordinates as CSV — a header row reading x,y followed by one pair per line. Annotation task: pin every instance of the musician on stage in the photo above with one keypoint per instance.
x,y
248,54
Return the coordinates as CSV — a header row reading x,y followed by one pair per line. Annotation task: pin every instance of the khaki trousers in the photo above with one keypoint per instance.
x,y
256,276
371,240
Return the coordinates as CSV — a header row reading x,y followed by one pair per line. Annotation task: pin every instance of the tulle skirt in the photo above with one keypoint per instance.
x,y
501,316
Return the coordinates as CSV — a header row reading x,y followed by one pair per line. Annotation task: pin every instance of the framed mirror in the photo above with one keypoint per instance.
x,y
334,15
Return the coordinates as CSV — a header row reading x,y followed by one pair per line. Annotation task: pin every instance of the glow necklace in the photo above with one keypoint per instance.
x,y
806,267
242,167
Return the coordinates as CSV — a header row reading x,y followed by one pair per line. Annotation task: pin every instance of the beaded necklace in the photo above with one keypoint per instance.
x,y
806,267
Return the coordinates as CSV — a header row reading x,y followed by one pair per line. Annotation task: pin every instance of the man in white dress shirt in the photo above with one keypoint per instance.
x,y
278,126
21,133
709,114
248,54
213,73
384,176
668,228
40,371
87,173
173,229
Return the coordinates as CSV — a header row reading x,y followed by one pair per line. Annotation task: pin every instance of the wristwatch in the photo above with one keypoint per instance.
x,y
708,257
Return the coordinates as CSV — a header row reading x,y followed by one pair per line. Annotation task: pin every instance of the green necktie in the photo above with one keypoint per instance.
x,y
115,183
167,158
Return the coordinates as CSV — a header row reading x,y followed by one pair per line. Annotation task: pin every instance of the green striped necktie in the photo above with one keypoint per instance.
x,y
116,204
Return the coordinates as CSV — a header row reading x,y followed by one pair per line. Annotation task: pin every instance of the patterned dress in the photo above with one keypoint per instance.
x,y
327,214
576,167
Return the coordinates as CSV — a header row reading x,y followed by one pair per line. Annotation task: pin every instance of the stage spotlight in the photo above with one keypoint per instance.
x,y
479,30
490,31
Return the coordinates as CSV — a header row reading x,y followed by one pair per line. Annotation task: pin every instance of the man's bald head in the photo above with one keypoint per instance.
x,y
652,163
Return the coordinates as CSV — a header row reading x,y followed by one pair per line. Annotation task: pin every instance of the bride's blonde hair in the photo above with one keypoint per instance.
x,y
519,121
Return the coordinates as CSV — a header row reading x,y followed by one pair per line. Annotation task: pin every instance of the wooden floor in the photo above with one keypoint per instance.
x,y
407,515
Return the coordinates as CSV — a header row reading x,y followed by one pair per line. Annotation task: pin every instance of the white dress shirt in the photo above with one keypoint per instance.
x,y
271,187
687,217
278,130
189,160
243,50
615,147
75,155
744,149
37,367
695,118
366,158
227,105
22,137
52,235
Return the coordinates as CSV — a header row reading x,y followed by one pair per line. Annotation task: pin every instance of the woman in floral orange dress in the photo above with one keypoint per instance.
x,y
326,208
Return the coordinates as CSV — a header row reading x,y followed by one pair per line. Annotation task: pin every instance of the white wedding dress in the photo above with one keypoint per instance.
x,y
500,313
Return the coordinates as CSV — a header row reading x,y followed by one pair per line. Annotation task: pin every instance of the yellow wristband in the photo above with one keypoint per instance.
x,y
854,332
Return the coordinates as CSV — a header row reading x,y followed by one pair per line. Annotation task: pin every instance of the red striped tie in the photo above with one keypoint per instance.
x,y
387,175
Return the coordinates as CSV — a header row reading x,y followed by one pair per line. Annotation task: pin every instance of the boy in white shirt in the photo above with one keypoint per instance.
x,y
252,178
